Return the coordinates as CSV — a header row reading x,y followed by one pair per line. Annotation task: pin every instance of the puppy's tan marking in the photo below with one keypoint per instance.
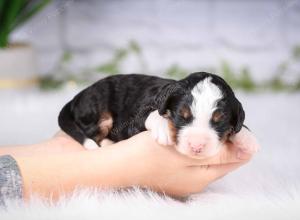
x,y
173,131
185,112
105,125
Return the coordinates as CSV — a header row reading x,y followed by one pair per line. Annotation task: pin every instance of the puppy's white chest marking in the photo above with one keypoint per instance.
x,y
159,127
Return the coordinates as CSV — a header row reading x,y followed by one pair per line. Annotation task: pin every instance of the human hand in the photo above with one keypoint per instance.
x,y
141,161
163,169
58,166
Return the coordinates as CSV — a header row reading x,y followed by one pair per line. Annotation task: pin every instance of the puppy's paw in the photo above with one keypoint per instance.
x,y
161,134
90,144
246,141
159,128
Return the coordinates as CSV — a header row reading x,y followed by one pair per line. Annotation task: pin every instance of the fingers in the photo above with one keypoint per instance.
x,y
229,153
246,141
201,176
214,172
195,179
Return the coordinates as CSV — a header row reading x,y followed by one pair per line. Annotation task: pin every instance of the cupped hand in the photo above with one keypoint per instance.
x,y
141,161
163,169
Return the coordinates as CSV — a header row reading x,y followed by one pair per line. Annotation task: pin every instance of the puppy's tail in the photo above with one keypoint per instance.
x,y
67,123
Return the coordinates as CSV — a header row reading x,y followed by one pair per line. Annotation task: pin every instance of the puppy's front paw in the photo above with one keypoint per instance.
x,y
90,144
159,128
161,134
246,141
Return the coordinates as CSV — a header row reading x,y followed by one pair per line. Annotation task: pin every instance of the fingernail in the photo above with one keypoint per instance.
x,y
242,155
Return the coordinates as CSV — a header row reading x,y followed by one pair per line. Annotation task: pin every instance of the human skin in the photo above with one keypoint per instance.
x,y
60,165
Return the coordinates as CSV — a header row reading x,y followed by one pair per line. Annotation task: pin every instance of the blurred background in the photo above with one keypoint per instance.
x,y
50,50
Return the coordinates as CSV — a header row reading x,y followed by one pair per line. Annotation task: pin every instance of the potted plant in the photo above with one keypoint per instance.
x,y
17,61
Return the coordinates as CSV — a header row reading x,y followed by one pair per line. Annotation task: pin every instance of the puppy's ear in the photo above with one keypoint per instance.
x,y
165,96
238,116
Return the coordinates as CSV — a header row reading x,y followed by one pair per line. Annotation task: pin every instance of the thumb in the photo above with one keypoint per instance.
x,y
214,172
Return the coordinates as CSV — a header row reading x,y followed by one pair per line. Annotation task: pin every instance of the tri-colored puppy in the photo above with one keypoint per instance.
x,y
197,114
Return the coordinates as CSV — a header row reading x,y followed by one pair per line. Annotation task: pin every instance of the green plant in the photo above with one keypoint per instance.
x,y
113,66
176,72
296,52
14,13
240,78
245,81
228,74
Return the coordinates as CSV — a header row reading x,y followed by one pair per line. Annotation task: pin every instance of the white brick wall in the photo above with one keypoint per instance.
x,y
192,33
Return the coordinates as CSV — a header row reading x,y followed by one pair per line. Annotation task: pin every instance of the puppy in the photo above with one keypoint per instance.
x,y
196,114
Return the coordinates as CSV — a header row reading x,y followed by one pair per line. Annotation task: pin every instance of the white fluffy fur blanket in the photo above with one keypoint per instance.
x,y
266,188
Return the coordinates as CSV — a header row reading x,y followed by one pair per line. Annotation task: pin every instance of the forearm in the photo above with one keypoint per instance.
x,y
28,150
58,144
136,161
56,174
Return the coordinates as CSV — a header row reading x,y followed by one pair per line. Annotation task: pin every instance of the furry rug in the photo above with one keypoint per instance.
x,y
266,188
217,202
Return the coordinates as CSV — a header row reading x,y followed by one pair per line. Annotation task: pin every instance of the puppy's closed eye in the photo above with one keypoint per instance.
x,y
185,112
217,116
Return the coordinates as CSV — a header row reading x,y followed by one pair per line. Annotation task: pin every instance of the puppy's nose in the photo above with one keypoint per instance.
x,y
197,147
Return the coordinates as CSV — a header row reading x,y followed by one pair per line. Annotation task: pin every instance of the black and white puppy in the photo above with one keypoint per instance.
x,y
197,114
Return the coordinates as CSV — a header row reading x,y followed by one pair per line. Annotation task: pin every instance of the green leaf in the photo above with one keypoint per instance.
x,y
276,84
246,82
2,3
66,57
32,8
133,45
50,83
108,68
120,54
296,52
176,72
296,86
228,74
9,15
